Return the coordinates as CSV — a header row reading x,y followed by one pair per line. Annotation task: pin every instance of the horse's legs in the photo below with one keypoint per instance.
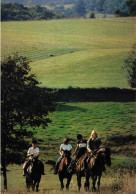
x,y
86,185
33,185
79,181
61,181
98,183
68,182
94,178
37,186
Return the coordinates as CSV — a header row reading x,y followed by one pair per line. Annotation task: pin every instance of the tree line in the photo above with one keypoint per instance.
x,y
80,8
19,12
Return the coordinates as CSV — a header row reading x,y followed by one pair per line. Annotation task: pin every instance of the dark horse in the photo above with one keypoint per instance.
x,y
63,171
33,175
95,167
80,169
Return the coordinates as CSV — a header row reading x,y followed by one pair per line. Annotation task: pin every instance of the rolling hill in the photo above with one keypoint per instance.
x,y
76,52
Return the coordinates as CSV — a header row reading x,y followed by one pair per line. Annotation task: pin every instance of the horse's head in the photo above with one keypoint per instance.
x,y
107,157
30,168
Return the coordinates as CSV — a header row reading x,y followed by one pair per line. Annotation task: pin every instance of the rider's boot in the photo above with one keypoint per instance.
x,y
56,169
24,173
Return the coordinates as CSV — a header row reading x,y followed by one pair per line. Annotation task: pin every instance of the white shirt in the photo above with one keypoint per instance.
x,y
65,147
82,145
33,151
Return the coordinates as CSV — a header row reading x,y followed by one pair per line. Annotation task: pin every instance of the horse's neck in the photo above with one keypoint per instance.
x,y
30,167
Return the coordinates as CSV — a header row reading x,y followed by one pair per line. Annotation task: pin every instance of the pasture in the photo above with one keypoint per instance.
x,y
77,52
111,120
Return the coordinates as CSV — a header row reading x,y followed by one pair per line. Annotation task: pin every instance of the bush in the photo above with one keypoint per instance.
x,y
92,15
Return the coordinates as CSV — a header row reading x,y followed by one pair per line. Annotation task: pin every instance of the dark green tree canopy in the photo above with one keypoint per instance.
x,y
24,105
130,67
131,4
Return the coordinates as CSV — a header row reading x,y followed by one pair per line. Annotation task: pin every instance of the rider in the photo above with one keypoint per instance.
x,y
93,144
81,147
33,152
63,147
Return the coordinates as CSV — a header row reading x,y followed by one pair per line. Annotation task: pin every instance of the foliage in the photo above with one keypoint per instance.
x,y
34,10
131,9
23,104
131,4
18,12
92,15
130,66
80,8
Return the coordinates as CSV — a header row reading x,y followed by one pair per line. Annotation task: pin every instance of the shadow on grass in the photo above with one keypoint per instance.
x,y
68,108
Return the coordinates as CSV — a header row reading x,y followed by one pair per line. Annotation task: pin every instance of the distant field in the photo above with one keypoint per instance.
x,y
76,52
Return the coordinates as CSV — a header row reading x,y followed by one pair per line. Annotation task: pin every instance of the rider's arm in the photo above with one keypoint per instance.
x,y
28,154
88,146
77,147
61,151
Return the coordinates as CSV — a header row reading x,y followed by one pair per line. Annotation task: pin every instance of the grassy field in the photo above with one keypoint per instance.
x,y
109,119
77,52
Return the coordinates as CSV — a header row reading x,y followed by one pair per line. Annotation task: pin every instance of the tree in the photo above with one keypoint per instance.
x,y
24,105
130,67
131,7
80,8
92,15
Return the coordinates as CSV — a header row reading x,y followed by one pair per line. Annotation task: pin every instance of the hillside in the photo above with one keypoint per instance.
x,y
77,53
100,6
40,2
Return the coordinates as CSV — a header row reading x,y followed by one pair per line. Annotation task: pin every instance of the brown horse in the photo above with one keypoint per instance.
x,y
63,171
95,167
80,170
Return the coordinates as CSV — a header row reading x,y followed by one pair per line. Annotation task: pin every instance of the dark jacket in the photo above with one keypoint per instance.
x,y
94,143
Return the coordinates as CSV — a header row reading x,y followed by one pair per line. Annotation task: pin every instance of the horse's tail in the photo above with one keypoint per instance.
x,y
52,163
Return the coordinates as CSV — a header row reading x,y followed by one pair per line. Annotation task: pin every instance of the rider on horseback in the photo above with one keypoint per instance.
x,y
80,148
63,147
93,142
93,145
33,152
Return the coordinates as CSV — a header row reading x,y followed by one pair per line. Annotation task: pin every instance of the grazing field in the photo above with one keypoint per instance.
x,y
115,122
111,120
76,52
79,53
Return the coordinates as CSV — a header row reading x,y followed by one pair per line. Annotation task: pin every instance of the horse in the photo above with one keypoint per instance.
x,y
79,169
95,166
33,175
63,169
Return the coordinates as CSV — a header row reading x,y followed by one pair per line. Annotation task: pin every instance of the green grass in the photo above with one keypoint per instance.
x,y
108,118
86,53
